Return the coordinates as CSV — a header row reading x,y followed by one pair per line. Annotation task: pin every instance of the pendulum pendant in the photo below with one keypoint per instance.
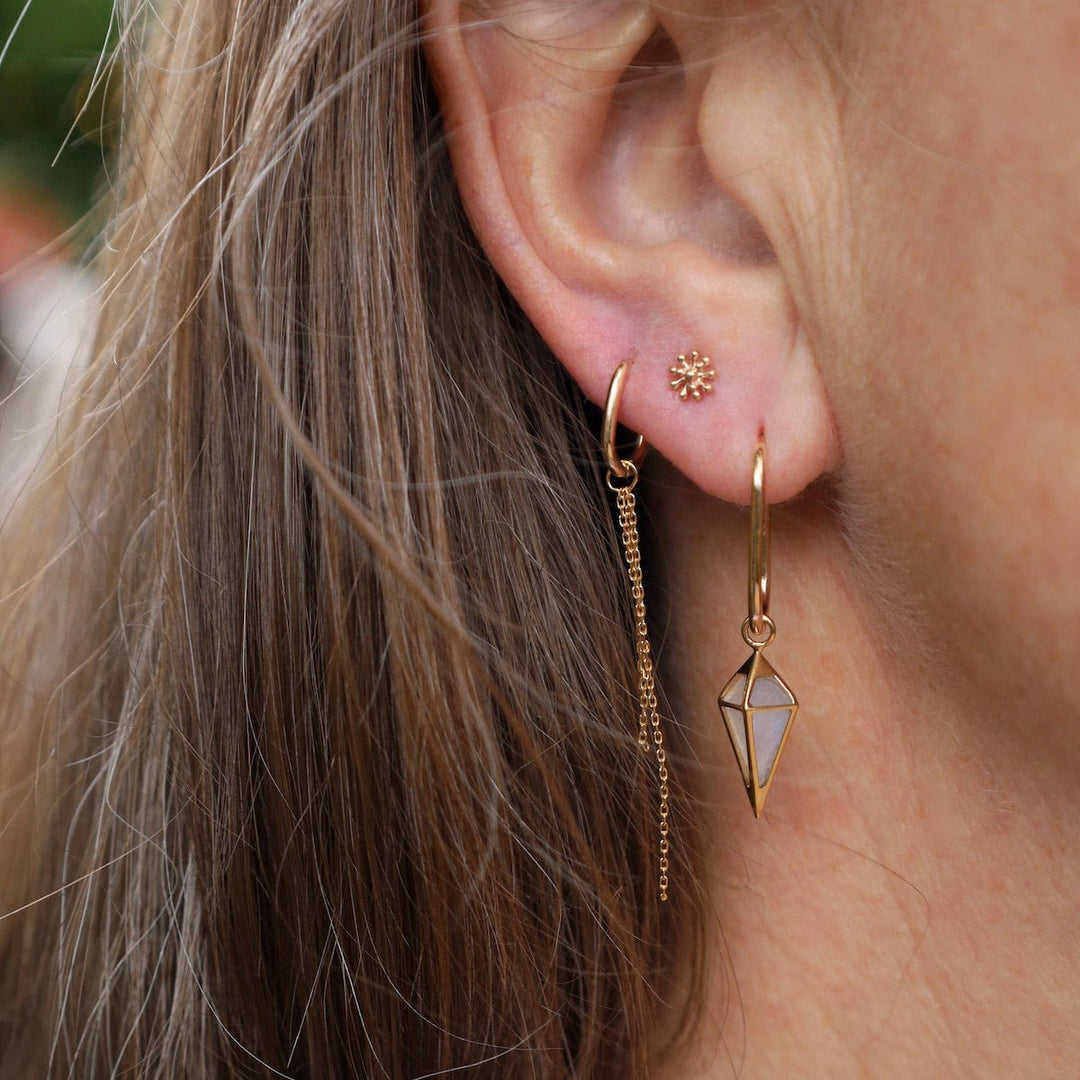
x,y
758,707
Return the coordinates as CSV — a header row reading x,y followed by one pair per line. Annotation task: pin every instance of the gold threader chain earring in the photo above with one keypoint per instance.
x,y
757,705
622,478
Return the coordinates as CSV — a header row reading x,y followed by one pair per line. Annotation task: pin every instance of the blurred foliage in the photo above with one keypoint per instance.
x,y
52,138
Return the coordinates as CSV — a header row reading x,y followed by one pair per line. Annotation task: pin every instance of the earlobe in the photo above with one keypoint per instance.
x,y
573,130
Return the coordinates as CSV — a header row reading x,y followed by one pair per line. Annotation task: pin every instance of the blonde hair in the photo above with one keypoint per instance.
x,y
318,677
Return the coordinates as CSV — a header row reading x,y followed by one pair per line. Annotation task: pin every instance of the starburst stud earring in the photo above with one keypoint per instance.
x,y
693,376
757,705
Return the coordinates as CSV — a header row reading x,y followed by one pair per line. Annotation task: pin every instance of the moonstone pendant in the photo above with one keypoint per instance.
x,y
758,709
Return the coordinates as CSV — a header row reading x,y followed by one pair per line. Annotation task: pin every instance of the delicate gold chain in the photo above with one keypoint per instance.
x,y
648,716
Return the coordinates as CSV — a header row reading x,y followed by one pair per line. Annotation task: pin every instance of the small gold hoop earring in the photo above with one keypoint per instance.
x,y
622,477
757,705
617,465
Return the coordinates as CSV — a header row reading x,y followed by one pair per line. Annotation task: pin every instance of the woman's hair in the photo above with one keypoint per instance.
x,y
317,686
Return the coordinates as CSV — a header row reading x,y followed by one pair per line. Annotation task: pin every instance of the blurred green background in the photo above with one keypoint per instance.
x,y
52,148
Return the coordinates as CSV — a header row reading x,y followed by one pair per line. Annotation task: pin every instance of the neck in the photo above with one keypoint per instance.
x,y
907,905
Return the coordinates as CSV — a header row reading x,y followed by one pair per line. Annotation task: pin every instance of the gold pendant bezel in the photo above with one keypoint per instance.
x,y
756,667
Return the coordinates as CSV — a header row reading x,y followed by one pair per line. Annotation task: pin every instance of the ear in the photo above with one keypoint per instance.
x,y
574,132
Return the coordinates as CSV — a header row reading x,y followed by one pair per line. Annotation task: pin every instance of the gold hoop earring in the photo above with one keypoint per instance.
x,y
622,478
757,705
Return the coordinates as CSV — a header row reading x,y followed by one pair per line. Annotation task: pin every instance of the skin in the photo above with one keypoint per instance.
x,y
908,905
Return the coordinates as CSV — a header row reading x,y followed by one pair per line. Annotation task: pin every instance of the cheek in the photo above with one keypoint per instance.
x,y
954,325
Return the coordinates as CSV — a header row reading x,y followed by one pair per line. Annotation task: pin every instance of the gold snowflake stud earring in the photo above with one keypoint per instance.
x,y
757,705
693,376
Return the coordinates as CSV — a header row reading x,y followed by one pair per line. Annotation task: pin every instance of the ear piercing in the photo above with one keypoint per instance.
x,y
693,376
757,705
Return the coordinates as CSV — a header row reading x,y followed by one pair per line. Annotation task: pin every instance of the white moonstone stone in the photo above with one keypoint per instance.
x,y
769,728
768,691
736,726
733,692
